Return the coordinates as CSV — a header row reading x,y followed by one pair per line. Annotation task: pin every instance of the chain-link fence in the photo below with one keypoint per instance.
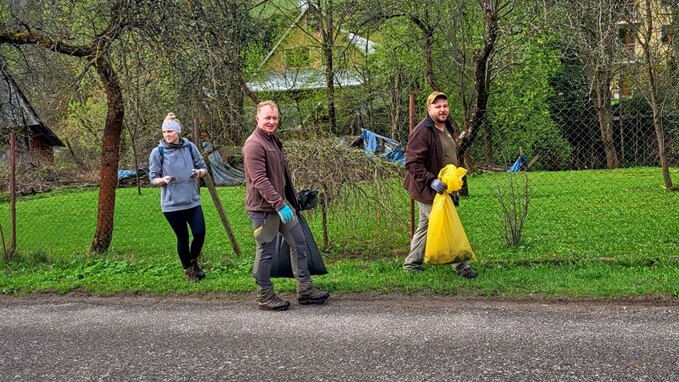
x,y
564,149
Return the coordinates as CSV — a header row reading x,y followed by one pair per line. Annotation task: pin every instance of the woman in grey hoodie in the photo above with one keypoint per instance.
x,y
174,166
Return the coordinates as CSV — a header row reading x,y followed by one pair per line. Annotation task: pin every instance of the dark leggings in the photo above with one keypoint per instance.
x,y
178,221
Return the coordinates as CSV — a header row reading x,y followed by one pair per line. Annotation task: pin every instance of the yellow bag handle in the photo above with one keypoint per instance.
x,y
452,177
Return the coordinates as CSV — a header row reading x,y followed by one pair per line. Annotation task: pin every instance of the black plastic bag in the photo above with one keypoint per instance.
x,y
281,265
307,199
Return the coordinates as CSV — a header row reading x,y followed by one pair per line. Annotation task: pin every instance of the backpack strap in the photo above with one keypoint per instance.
x,y
161,151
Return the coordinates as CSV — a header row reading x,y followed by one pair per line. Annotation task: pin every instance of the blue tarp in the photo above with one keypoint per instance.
x,y
122,174
222,173
383,147
127,177
519,165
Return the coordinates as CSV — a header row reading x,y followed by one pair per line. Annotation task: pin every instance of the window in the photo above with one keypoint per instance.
x,y
627,38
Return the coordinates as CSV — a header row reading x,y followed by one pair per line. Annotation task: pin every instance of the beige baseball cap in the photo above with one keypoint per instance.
x,y
433,96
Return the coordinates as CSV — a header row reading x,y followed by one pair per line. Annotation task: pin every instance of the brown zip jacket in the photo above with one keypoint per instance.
x,y
267,176
424,159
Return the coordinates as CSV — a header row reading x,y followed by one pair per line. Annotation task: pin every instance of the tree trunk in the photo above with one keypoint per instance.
x,y
428,61
482,64
602,104
328,43
110,156
660,136
330,83
394,104
428,33
244,87
653,90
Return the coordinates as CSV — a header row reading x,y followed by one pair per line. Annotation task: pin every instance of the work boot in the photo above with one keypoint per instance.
x,y
307,294
465,270
268,300
191,275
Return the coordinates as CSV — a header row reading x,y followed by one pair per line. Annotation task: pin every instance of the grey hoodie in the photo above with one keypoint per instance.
x,y
181,194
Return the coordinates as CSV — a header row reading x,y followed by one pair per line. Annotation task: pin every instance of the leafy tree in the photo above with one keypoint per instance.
x,y
654,62
87,30
590,30
572,110
520,112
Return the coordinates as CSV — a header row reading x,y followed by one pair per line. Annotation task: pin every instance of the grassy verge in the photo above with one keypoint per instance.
x,y
382,276
613,234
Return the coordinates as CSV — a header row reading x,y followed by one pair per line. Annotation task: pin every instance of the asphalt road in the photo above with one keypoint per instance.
x,y
351,338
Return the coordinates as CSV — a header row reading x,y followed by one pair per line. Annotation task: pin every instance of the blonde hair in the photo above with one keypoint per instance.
x,y
269,103
171,116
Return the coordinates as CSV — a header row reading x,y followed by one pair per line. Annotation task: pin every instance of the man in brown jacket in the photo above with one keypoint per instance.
x,y
272,204
431,146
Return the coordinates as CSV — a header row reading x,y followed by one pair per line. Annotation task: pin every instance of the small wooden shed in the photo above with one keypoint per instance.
x,y
34,138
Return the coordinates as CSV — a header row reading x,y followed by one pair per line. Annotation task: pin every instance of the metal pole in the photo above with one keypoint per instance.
x,y
12,194
411,126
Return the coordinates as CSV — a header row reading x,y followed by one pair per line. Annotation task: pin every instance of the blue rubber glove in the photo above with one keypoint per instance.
x,y
438,186
285,213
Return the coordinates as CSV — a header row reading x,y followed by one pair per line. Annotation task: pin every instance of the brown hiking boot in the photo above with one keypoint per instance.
x,y
199,272
307,294
191,275
267,299
466,271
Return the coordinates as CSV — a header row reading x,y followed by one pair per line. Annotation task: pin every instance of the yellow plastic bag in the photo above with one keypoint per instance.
x,y
446,240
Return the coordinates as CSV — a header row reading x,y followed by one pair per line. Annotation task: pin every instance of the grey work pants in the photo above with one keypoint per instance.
x,y
267,225
419,242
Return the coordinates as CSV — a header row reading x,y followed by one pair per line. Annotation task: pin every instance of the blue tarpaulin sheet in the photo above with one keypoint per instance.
x,y
122,174
381,146
222,172
519,165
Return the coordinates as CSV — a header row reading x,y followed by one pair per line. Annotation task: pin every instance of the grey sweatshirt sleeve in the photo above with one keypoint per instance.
x,y
155,171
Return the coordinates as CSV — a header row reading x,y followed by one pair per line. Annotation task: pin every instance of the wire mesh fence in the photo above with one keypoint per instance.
x,y
569,151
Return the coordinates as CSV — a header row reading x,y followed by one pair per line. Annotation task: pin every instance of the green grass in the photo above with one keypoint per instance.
x,y
588,234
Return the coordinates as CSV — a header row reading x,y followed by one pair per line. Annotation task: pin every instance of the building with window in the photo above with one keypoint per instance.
x,y
633,36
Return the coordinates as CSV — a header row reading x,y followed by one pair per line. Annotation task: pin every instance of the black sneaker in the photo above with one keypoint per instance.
x,y
414,270
467,272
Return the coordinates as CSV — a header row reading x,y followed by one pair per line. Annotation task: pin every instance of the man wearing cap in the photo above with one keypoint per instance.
x,y
431,146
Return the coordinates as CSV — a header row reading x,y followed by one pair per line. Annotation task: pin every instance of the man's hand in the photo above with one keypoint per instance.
x,y
285,213
438,186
